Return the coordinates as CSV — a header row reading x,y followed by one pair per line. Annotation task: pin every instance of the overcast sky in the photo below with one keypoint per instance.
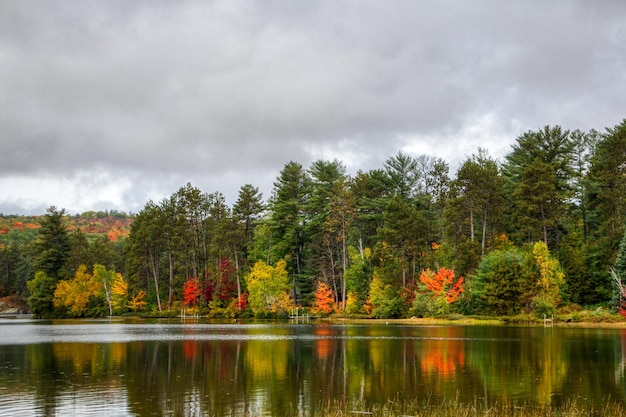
x,y
108,104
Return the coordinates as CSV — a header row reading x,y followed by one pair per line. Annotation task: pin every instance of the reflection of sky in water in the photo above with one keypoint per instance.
x,y
30,332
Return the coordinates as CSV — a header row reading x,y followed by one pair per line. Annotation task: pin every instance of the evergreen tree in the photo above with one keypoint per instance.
x,y
538,173
53,244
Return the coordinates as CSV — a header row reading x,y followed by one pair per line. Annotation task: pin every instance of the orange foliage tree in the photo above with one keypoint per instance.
x,y
324,299
442,287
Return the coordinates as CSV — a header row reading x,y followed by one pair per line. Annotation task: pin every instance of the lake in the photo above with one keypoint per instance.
x,y
198,368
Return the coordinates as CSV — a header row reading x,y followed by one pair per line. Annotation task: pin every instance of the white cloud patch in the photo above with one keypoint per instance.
x,y
120,102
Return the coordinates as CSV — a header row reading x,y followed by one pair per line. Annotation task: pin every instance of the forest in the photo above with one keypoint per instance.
x,y
536,233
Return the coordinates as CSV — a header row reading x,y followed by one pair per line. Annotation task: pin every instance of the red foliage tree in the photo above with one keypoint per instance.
x,y
227,286
242,302
191,292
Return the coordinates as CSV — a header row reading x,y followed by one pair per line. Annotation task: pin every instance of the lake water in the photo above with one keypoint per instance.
x,y
198,368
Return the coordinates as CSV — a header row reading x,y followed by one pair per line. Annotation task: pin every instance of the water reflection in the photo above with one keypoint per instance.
x,y
226,370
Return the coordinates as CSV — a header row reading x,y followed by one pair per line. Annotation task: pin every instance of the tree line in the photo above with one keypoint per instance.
x,y
532,233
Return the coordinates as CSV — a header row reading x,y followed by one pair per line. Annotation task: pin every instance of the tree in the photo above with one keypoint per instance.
x,y
358,277
405,234
145,248
443,287
106,279
538,172
75,294
191,292
504,282
41,299
287,227
550,282
119,293
607,185
618,275
478,196
371,197
53,243
247,212
402,176
384,299
324,299
268,289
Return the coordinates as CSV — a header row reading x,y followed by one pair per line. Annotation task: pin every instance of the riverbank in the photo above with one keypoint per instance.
x,y
590,319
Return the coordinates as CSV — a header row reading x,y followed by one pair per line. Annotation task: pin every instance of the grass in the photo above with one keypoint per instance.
x,y
575,408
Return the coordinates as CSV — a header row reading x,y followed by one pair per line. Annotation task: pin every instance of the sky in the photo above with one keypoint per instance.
x,y
105,105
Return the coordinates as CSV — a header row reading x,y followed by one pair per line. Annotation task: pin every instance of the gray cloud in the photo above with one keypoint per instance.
x,y
117,102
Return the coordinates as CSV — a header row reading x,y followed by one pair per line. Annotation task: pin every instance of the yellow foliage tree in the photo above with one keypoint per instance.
x,y
74,294
268,288
550,280
137,303
119,292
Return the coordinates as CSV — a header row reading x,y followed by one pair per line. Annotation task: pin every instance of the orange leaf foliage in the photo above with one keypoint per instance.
x,y
324,299
442,283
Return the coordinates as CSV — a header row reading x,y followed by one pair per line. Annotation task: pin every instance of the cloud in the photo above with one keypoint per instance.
x,y
120,102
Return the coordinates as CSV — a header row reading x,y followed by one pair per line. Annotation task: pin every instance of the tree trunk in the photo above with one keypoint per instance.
x,y
155,276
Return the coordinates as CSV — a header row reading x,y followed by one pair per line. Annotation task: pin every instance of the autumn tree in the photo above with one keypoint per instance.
x,y
191,292
324,299
551,279
119,293
74,295
268,289
441,287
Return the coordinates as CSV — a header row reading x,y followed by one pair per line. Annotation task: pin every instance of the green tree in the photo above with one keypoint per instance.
x,y
358,278
405,233
105,278
607,183
618,295
478,197
52,247
504,282
145,248
287,227
402,175
53,243
538,173
329,210
41,289
247,212
384,299
371,196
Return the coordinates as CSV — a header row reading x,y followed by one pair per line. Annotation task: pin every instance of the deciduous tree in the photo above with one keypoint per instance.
x,y
268,288
324,299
